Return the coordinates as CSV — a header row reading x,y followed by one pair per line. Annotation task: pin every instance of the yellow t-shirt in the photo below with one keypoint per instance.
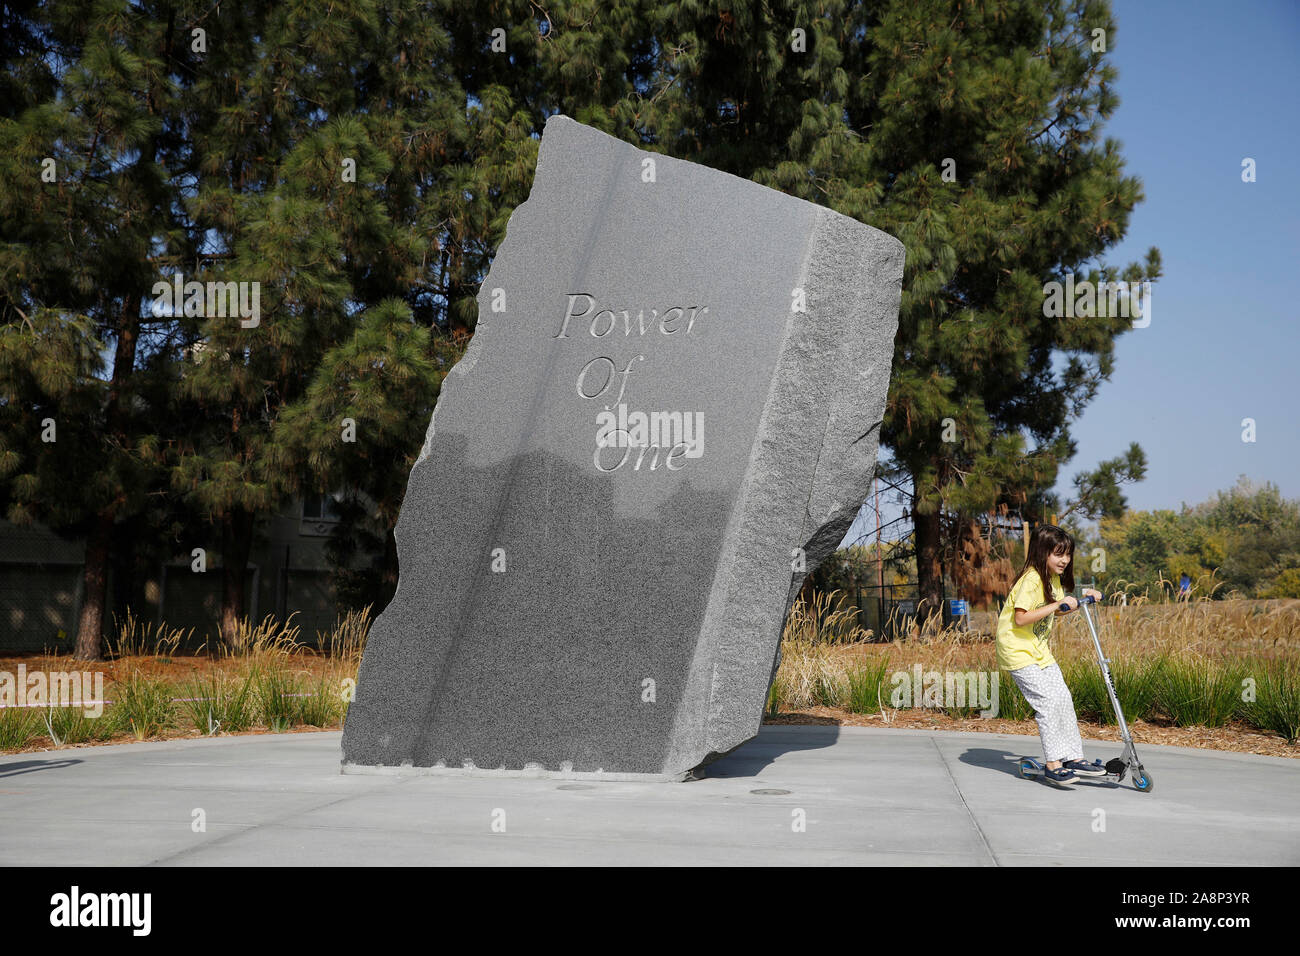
x,y
1021,646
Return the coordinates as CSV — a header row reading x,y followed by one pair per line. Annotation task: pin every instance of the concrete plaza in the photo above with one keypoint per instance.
x,y
796,795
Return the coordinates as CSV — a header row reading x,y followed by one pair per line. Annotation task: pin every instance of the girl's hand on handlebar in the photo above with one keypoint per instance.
x,y
1092,593
1071,602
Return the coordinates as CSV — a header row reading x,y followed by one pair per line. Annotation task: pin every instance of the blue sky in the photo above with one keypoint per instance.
x,y
1201,88
1199,91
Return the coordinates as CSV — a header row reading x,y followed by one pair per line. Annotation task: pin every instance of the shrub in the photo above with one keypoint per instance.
x,y
1277,700
144,705
18,725
1197,692
277,696
213,704
866,685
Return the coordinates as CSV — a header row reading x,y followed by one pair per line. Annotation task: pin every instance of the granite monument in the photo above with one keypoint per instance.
x,y
667,417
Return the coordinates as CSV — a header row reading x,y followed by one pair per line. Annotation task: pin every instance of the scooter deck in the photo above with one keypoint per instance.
x,y
1028,766
1116,768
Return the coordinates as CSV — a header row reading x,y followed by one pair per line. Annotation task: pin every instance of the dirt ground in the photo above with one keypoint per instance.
x,y
178,668
1235,737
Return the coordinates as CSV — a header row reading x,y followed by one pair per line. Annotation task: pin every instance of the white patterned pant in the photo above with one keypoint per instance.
x,y
1045,689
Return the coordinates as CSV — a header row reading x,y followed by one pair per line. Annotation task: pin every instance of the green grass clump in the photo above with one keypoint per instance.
x,y
1197,692
1277,699
1138,687
773,707
110,724
69,725
144,705
277,690
323,707
1088,689
866,685
829,689
18,725
214,704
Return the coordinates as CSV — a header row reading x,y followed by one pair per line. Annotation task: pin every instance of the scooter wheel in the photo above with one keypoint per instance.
x,y
1026,769
1142,780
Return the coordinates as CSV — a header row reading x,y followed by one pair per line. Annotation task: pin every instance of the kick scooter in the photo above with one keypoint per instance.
x,y
1028,767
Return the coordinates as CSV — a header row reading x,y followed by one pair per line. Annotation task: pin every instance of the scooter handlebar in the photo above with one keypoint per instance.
x,y
1086,599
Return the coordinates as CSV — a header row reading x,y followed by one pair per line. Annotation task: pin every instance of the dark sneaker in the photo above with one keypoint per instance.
x,y
1082,768
1060,777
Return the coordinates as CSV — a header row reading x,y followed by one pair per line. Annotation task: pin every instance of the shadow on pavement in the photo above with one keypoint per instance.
x,y
753,756
990,759
31,766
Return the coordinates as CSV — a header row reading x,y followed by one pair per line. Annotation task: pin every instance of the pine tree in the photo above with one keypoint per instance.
x,y
1010,97
322,199
969,130
81,137
215,142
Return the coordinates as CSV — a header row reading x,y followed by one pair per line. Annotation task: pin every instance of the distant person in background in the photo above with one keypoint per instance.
x,y
1184,586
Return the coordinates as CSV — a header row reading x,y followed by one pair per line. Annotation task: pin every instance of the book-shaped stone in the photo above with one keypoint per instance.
x,y
667,417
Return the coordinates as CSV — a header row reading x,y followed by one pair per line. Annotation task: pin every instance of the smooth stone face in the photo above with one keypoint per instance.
x,y
675,384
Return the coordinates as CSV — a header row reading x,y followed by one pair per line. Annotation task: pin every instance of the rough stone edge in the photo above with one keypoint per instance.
x,y
692,729
842,479
862,253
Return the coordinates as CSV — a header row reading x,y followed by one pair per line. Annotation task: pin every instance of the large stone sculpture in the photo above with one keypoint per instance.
x,y
667,416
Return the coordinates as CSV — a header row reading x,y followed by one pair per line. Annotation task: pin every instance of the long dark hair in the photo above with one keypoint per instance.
x,y
1049,539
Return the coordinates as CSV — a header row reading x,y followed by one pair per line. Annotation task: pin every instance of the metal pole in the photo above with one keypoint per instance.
x,y
1110,686
880,567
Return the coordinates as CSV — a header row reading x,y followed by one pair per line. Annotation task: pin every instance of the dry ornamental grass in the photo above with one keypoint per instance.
x,y
1219,674
1181,670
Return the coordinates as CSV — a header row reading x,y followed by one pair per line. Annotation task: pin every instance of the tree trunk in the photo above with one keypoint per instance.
x,y
94,577
126,592
90,623
929,568
236,542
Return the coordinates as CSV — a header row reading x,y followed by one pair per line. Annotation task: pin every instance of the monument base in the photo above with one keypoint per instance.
x,y
407,770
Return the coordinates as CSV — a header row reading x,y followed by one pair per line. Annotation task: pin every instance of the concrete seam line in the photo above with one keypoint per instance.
x,y
250,828
962,797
